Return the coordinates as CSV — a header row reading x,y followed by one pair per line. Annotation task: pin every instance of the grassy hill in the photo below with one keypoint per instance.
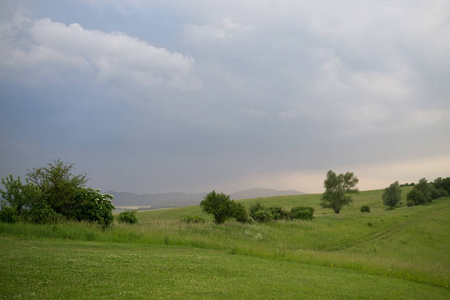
x,y
402,253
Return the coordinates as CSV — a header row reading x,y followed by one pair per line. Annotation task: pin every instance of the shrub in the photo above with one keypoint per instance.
x,y
421,193
194,219
240,213
262,215
128,216
365,208
302,213
8,215
279,213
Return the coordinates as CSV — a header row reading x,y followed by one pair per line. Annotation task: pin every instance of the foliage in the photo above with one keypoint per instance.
x,y
240,213
336,189
52,193
421,193
442,183
218,205
194,219
128,216
13,194
392,195
279,213
302,213
58,185
8,215
260,213
365,208
91,205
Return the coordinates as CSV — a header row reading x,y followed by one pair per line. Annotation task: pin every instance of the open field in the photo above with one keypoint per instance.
x,y
403,253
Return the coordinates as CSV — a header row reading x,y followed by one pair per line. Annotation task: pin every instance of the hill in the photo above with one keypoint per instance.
x,y
384,254
165,200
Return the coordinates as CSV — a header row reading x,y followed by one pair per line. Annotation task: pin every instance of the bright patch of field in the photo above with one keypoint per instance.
x,y
52,269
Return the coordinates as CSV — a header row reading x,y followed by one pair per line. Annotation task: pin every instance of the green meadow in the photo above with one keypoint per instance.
x,y
385,254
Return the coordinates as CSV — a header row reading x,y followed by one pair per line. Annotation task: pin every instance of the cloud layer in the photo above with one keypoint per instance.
x,y
150,96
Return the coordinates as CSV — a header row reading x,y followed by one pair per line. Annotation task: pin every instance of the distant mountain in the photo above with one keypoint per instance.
x,y
258,193
164,200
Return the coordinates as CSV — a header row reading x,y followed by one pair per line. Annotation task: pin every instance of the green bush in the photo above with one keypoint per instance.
x,y
365,209
262,215
128,217
8,215
240,213
279,213
194,219
302,213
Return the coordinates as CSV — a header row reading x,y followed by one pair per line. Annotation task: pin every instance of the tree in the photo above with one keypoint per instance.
x,y
337,188
421,193
52,193
392,195
58,185
219,205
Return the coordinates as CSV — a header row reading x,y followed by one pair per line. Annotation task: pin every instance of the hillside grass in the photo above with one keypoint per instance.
x,y
408,246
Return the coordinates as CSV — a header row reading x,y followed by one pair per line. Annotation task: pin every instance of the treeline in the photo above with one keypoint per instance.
x,y
51,194
223,208
423,192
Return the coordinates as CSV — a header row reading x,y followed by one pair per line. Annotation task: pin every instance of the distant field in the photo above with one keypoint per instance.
x,y
398,254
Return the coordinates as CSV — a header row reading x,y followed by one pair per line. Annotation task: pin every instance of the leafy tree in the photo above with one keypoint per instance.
x,y
442,183
337,188
13,194
392,195
421,193
218,205
92,206
58,185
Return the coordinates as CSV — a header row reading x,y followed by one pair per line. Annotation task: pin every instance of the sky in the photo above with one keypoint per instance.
x,y
191,96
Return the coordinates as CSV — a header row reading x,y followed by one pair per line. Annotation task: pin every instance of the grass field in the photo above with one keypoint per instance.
x,y
396,254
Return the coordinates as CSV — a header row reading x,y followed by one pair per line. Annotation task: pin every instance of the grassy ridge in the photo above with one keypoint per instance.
x,y
403,244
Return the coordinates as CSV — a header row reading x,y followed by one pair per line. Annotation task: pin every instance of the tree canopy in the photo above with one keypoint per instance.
x,y
337,188
392,195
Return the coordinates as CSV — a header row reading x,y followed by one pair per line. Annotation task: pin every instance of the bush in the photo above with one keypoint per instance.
x,y
8,215
194,219
128,216
421,193
262,215
365,208
302,213
240,213
279,213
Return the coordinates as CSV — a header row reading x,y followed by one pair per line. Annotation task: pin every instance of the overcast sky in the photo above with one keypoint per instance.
x,y
190,96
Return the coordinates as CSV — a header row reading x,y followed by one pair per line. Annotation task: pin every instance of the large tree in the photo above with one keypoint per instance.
x,y
392,195
337,188
58,185
219,205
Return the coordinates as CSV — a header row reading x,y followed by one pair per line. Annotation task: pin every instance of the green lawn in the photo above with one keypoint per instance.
x,y
402,253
